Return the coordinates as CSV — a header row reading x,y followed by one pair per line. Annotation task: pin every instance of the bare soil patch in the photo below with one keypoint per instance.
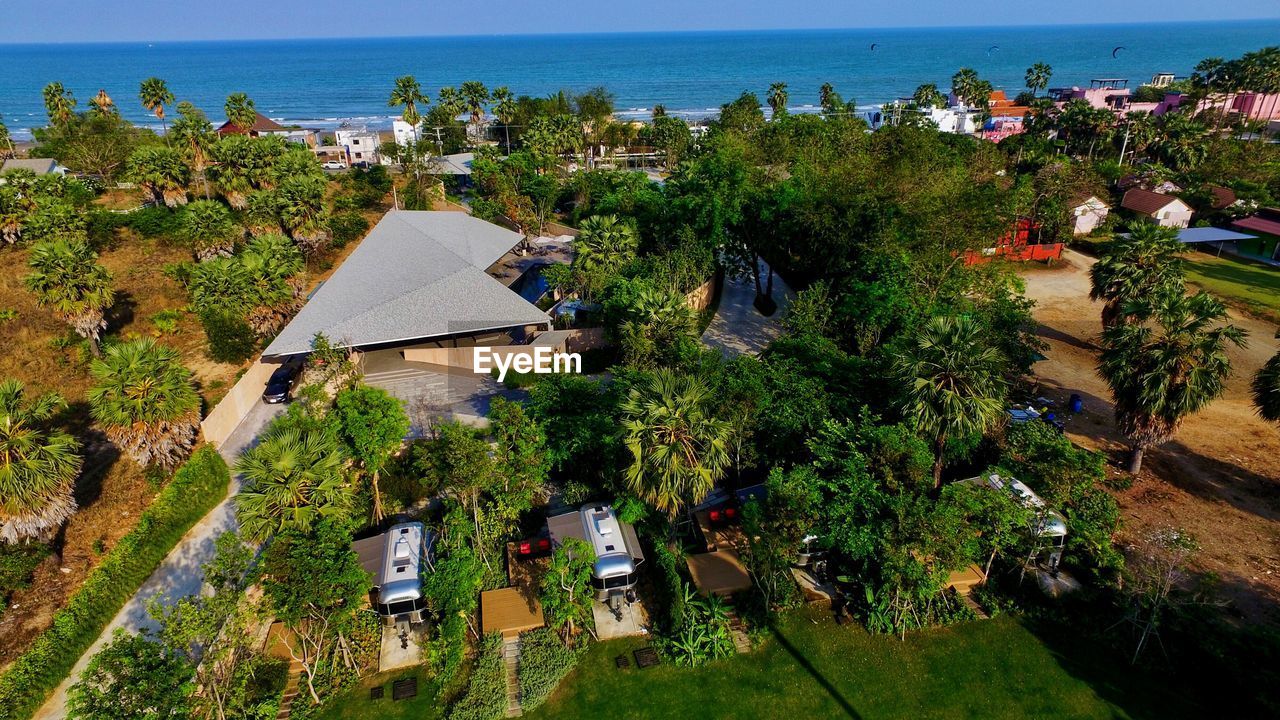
x,y
112,492
1219,478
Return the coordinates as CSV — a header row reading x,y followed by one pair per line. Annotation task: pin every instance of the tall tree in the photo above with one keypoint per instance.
x,y
928,96
1266,389
678,448
1146,262
240,111
505,108
155,94
566,588
474,97
193,133
133,678
293,480
953,384
605,244
372,424
1165,365
1037,77
407,93
66,276
778,98
102,105
59,103
146,401
38,465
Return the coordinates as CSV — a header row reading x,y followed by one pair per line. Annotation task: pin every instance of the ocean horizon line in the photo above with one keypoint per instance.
x,y
637,33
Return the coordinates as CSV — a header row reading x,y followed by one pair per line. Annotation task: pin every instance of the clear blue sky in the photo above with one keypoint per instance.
x,y
158,20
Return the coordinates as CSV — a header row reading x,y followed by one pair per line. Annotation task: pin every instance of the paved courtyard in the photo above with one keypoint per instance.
x,y
738,328
431,394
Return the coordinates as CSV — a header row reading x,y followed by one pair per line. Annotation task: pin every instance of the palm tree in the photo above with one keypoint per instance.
x,y
194,134
407,93
102,104
38,466
1167,364
928,96
505,107
241,112
209,227
146,401
1266,389
300,203
162,172
678,449
451,100
1146,262
65,275
292,479
953,382
59,103
963,84
154,94
1182,142
604,243
474,96
778,98
1037,77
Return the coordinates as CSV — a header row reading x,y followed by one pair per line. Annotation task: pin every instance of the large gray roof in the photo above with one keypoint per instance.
x,y
39,166
416,275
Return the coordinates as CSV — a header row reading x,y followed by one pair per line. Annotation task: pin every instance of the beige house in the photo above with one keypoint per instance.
x,y
1088,213
1165,210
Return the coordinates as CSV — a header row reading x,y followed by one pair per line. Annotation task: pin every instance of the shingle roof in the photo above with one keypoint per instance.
x,y
39,166
1222,197
261,123
416,275
1146,202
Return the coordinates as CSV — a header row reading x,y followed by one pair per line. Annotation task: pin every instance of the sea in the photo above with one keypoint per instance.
x,y
328,83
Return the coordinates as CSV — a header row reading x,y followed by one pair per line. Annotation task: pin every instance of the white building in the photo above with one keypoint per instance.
x,y
359,145
404,134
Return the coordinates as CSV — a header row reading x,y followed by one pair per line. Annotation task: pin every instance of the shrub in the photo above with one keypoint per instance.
x,y
544,661
231,339
196,488
155,222
486,694
166,321
17,562
347,226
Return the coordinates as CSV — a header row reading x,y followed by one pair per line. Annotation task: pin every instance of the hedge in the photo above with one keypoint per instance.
x,y
486,696
544,661
196,488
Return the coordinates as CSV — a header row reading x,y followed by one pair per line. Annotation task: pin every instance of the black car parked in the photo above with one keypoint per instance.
x,y
281,382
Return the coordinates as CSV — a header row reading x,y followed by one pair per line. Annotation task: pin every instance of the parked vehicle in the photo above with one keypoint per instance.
x,y
1048,528
533,548
333,165
280,384
617,549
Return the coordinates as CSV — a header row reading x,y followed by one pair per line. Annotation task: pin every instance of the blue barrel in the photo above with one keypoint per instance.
x,y
1077,403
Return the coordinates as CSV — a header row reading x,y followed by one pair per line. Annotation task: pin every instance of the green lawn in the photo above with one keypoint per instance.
x,y
813,669
356,705
1251,284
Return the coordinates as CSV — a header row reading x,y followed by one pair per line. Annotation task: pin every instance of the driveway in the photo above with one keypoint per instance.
x,y
180,574
431,394
738,328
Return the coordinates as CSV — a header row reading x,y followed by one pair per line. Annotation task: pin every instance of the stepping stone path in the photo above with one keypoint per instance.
x,y
292,687
511,659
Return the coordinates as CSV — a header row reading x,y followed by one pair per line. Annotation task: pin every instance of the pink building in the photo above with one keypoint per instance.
x,y
1248,104
1113,94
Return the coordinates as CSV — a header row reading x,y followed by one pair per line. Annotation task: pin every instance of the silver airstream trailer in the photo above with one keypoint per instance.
x,y
396,561
1048,526
616,546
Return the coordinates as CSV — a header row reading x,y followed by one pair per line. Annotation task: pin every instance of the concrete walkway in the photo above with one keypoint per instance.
x,y
738,328
179,575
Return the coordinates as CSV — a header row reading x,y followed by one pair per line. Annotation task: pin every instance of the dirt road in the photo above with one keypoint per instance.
x,y
1219,477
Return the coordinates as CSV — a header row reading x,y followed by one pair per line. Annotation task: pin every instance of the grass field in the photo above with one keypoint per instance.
x,y
1251,285
356,705
811,668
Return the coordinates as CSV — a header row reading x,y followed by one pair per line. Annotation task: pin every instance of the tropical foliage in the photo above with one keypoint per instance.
x,y
146,402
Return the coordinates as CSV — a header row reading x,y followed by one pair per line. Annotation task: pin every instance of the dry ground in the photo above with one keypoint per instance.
x,y
1220,475
112,491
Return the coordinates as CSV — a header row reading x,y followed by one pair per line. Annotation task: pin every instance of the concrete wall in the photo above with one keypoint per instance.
x,y
226,416
583,339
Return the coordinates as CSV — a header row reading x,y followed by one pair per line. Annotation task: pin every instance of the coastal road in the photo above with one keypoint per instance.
x,y
738,327
180,574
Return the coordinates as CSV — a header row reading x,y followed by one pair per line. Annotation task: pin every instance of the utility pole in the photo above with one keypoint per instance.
x,y
439,142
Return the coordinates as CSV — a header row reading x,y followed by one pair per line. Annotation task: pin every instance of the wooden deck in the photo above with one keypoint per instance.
x,y
509,611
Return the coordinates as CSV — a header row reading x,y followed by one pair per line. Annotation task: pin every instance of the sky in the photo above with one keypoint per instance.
x,y
42,21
